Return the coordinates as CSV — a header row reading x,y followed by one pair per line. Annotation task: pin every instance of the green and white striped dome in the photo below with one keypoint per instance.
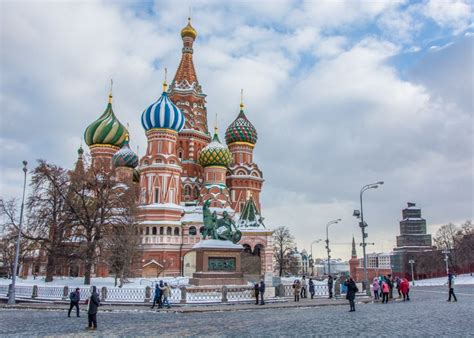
x,y
106,130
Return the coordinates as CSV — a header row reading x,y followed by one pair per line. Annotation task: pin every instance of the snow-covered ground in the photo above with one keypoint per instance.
x,y
465,279
99,282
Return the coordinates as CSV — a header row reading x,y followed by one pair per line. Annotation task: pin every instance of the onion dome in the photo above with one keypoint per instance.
x,y
136,176
189,30
163,113
125,157
241,130
106,130
215,153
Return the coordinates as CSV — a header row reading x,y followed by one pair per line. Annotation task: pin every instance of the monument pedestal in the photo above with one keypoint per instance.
x,y
217,263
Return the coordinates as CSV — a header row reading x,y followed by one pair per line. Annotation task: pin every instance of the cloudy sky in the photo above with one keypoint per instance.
x,y
342,93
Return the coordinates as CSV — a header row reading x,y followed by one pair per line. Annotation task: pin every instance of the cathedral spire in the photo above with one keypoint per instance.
x,y
186,78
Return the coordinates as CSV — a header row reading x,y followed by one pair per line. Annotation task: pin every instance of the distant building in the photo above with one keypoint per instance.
x,y
377,264
412,243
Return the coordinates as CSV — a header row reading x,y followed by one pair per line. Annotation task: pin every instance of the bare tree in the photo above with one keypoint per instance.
x,y
283,244
122,238
48,220
465,246
95,202
446,239
9,213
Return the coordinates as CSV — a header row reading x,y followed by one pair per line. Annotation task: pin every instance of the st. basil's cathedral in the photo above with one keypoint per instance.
x,y
183,167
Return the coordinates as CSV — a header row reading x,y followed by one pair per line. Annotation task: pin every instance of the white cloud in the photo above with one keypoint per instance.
x,y
455,14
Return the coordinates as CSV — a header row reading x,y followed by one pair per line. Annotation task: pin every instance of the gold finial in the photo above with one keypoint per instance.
x,y
216,129
126,133
164,82
110,93
241,99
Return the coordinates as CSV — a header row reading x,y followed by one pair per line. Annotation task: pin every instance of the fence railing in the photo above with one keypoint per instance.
x,y
183,294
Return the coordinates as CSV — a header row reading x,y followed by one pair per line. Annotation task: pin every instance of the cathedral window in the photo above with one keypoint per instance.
x,y
147,231
201,230
176,231
157,195
162,231
168,231
192,231
159,147
153,231
196,192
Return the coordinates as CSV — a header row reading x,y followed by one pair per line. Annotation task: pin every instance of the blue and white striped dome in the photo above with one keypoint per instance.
x,y
163,113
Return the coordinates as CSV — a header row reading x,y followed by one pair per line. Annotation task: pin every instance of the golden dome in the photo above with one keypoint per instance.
x,y
189,30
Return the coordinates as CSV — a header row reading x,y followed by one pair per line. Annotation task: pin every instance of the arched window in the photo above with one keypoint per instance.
x,y
162,231
168,231
147,231
176,231
192,231
201,230
153,231
196,192
187,190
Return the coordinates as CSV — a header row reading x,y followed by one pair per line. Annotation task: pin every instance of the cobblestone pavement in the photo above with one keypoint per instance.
x,y
427,313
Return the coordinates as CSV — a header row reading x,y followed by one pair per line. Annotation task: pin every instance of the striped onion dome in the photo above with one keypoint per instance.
x,y
106,130
163,113
125,157
241,130
215,153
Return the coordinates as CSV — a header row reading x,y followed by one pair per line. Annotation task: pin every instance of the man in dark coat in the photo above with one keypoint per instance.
x,y
330,284
256,288
351,292
75,297
451,287
92,306
157,296
262,291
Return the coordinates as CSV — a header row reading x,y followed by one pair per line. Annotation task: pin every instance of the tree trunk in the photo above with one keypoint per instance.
x,y
50,268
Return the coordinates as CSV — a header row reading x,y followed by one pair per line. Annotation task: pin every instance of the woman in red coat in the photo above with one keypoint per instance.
x,y
405,289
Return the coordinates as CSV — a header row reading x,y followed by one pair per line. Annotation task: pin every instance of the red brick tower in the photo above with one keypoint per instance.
x,y
186,93
354,261
244,178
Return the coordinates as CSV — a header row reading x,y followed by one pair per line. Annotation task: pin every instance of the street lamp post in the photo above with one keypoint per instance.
x,y
446,259
327,243
363,225
312,257
11,294
411,262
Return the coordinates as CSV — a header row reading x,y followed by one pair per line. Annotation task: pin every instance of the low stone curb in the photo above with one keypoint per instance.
x,y
197,308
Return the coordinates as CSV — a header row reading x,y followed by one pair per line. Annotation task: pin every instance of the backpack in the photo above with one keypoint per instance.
x,y
73,296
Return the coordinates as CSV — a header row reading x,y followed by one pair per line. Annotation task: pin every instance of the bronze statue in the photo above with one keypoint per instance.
x,y
221,229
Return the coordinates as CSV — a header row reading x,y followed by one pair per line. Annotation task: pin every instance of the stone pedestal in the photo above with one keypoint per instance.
x,y
217,263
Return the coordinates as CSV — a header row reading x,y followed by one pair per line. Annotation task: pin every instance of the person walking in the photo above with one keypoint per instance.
x,y
311,288
93,304
256,288
166,291
74,297
262,291
376,286
157,296
351,292
390,282
405,289
451,287
385,290
330,285
397,282
303,287
296,290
